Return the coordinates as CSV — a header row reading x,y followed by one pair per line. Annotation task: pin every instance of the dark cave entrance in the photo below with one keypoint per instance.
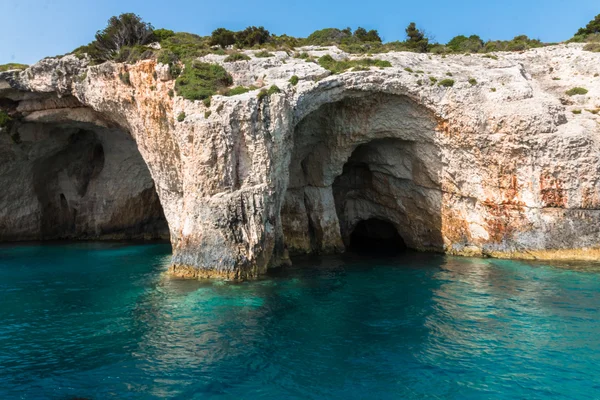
x,y
376,236
77,181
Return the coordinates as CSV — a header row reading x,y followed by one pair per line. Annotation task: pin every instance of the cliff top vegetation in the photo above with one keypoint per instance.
x,y
127,37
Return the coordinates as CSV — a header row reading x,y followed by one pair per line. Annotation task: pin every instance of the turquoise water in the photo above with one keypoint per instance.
x,y
99,321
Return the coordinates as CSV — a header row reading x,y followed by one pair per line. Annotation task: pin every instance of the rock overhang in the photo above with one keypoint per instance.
x,y
222,171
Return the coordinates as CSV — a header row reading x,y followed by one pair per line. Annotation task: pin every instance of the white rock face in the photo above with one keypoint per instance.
x,y
503,163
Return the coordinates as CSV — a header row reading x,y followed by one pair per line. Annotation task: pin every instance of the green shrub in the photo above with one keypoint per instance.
x,y
4,119
162,34
594,47
233,57
262,94
592,28
328,36
273,89
252,36
461,44
200,81
171,93
416,39
186,46
448,73
363,35
493,89
207,114
206,102
433,80
222,37
181,117
294,80
473,81
492,56
220,108
125,78
556,78
166,56
446,83
408,69
575,91
238,90
126,30
576,111
337,67
264,54
11,66
303,55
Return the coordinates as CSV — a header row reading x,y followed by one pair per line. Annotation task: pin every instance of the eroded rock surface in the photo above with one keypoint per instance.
x,y
503,163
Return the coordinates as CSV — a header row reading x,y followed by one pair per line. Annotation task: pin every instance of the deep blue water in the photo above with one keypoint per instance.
x,y
100,321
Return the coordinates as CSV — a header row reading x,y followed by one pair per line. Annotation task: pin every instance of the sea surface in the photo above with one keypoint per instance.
x,y
100,321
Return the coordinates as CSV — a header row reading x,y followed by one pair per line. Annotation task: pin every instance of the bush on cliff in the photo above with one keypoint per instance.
x,y
186,46
163,34
463,44
126,30
328,37
236,57
11,66
518,43
590,29
238,90
222,37
252,36
337,67
200,81
263,54
416,38
576,90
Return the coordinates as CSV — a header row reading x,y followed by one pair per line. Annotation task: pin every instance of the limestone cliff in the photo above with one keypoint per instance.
x,y
503,163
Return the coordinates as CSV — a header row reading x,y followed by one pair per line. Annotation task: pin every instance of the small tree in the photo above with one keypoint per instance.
x,y
364,36
591,28
222,37
125,30
163,34
328,36
461,43
416,39
252,36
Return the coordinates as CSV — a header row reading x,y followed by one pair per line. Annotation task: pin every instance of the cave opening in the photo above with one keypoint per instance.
x,y
364,176
376,236
74,180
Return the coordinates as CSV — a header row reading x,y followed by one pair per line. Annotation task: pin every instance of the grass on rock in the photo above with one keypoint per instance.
x,y
338,67
576,91
200,81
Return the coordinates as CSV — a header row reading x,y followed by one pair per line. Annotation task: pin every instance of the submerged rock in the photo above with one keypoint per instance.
x,y
498,162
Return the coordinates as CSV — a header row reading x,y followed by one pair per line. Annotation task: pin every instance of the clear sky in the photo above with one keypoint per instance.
x,y
33,29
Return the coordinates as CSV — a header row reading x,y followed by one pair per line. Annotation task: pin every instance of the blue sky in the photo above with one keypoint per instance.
x,y
33,29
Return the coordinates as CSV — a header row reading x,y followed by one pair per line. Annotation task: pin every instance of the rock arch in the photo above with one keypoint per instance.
x,y
368,155
69,173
